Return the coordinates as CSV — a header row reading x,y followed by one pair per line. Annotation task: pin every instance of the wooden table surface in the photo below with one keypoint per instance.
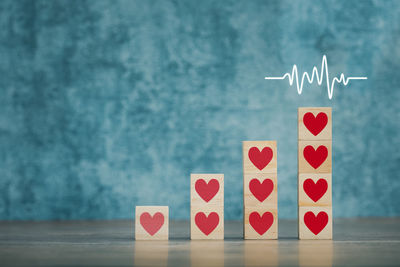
x,y
357,242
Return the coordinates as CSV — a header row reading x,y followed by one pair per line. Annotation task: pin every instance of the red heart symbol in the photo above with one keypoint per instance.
x,y
315,190
261,190
261,224
152,223
316,223
207,191
260,159
205,223
315,124
315,157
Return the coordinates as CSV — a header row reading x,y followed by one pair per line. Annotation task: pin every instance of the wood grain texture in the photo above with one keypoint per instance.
x,y
314,177
305,167
356,242
262,254
251,233
249,167
141,253
250,200
141,233
305,134
212,250
305,232
260,192
305,200
200,205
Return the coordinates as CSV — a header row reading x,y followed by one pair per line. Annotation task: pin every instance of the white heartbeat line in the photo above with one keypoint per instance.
x,y
324,70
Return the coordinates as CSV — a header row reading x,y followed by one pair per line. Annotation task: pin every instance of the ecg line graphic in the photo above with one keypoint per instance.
x,y
324,71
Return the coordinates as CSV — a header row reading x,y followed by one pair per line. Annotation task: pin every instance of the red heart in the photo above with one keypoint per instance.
x,y
261,224
152,223
316,223
315,157
315,124
315,190
205,223
207,191
260,159
261,190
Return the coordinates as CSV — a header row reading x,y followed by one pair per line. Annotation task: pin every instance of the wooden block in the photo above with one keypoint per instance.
x,y
315,222
151,223
206,224
315,189
315,123
207,206
259,157
207,189
315,157
260,190
260,223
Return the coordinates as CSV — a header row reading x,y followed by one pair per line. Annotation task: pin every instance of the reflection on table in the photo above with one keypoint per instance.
x,y
315,253
151,253
207,253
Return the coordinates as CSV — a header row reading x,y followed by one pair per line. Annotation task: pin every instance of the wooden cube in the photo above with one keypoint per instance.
x,y
206,223
315,123
260,223
259,157
260,190
151,223
315,222
315,157
207,206
207,189
315,189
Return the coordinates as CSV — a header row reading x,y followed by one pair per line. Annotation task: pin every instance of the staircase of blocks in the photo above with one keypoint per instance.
x,y
260,189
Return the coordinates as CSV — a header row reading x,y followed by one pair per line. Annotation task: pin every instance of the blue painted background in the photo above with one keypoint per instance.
x,y
110,104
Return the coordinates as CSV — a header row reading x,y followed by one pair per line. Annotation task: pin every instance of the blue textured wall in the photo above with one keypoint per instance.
x,y
110,104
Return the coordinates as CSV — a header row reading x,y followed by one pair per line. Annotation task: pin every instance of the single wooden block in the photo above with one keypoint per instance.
x,y
207,206
315,157
315,189
315,222
260,223
260,190
259,157
315,123
207,189
206,223
151,223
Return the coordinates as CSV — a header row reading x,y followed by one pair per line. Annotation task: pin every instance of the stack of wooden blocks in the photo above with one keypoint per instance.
x,y
260,189
315,173
207,206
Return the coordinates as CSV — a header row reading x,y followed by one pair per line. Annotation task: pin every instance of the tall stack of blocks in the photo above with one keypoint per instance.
x,y
315,173
260,190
